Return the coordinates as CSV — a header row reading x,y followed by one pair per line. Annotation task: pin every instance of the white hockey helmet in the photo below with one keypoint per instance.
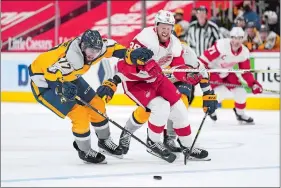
x,y
237,32
164,16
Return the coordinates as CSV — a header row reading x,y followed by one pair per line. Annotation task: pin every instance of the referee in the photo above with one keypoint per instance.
x,y
201,35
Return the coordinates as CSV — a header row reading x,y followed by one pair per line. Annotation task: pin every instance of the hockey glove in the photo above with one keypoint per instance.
x,y
108,88
193,78
67,90
256,87
152,68
138,56
210,102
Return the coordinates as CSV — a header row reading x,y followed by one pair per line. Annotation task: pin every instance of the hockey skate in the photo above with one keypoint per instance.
x,y
197,154
91,156
108,147
213,116
170,144
124,141
159,150
243,119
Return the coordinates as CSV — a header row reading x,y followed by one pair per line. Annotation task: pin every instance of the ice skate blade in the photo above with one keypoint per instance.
x,y
101,163
103,151
245,123
196,159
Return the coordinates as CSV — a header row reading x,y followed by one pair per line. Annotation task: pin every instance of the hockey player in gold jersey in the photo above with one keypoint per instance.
x,y
56,79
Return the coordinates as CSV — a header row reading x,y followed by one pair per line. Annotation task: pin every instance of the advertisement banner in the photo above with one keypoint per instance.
x,y
19,18
267,61
15,80
126,22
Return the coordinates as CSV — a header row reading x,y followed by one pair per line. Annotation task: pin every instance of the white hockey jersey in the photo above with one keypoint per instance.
x,y
221,56
162,55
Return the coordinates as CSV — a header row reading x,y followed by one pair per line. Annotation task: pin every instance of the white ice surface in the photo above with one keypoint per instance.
x,y
36,150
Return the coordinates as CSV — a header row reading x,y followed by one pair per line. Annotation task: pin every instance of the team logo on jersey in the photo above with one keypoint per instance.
x,y
165,60
227,65
63,100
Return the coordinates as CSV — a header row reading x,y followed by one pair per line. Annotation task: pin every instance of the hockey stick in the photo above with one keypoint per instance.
x,y
197,134
119,126
221,70
241,86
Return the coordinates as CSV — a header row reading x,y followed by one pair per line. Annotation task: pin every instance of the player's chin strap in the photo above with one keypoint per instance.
x,y
221,70
241,86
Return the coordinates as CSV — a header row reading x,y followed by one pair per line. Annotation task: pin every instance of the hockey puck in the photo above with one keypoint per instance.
x,y
157,177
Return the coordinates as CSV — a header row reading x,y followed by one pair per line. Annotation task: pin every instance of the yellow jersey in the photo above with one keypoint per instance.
x,y
67,61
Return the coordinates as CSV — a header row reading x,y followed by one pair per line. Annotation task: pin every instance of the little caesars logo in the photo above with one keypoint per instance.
x,y
29,44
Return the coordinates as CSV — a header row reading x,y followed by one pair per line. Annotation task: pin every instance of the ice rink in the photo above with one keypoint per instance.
x,y
36,150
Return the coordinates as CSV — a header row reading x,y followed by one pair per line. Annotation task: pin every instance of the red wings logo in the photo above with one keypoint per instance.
x,y
165,60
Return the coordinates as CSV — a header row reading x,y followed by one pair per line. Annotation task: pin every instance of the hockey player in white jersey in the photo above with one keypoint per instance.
x,y
224,54
158,98
190,59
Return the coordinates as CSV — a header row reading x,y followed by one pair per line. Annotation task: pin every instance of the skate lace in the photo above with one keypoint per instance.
x,y
91,153
125,140
196,150
171,142
110,144
160,146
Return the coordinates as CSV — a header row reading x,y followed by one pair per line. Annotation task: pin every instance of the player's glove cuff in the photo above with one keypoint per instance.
x,y
210,102
138,56
108,88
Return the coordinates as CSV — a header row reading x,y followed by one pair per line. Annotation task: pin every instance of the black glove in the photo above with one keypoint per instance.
x,y
108,88
210,102
67,90
138,56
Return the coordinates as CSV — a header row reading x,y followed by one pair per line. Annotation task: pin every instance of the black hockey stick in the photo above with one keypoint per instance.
x,y
120,127
197,134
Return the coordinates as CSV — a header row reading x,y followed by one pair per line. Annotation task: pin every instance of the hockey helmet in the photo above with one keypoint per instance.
x,y
91,44
237,32
92,39
164,16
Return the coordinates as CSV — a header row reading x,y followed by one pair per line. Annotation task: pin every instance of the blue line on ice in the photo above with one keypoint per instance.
x,y
138,174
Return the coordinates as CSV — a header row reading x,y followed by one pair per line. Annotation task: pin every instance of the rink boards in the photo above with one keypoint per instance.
x,y
15,82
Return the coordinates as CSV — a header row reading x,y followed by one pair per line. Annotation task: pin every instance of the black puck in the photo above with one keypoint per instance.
x,y
157,177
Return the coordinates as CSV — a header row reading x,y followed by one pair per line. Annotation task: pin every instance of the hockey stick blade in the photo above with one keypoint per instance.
x,y
171,158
